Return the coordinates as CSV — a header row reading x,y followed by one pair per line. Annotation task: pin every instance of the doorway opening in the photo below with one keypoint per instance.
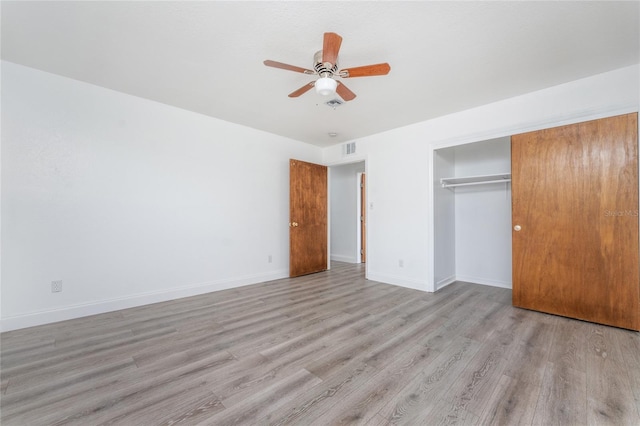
x,y
347,213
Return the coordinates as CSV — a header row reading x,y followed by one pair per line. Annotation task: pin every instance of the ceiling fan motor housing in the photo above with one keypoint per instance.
x,y
322,68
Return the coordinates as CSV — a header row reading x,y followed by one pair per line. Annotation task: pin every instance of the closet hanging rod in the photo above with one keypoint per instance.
x,y
453,185
475,180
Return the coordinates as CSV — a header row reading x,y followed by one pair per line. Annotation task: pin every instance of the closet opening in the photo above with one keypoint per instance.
x,y
472,213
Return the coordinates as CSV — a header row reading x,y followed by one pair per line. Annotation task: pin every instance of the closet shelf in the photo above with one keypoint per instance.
x,y
453,182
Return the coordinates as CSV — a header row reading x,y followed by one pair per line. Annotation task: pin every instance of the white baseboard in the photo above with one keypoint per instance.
x,y
82,310
445,282
346,259
484,281
395,280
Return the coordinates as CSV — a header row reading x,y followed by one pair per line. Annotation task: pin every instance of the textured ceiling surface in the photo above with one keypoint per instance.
x,y
207,56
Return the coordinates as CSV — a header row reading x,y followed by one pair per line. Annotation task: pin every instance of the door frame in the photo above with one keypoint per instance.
x,y
498,132
361,212
343,162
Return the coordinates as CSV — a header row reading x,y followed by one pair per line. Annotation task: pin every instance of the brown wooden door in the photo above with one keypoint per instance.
x,y
575,199
363,218
307,218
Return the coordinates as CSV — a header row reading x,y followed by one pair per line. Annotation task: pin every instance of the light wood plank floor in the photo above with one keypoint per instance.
x,y
329,348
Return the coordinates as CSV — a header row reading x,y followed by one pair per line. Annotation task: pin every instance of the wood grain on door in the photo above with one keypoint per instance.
x,y
308,218
575,203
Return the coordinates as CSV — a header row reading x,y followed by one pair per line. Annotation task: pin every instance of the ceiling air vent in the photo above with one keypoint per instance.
x,y
349,148
333,103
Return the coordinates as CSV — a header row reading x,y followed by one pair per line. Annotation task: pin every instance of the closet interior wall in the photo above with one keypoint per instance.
x,y
473,223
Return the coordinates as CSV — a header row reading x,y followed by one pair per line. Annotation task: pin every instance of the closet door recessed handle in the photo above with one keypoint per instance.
x,y
517,228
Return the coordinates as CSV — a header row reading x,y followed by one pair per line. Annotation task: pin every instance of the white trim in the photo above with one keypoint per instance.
x,y
368,216
350,160
346,259
431,225
359,208
399,281
484,281
445,282
82,310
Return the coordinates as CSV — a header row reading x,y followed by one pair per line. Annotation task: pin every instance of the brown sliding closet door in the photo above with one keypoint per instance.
x,y
575,221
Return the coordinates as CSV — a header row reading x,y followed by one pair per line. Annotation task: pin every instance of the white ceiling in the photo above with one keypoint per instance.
x,y
207,56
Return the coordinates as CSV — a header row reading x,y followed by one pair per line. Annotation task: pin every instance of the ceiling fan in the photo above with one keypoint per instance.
x,y
325,65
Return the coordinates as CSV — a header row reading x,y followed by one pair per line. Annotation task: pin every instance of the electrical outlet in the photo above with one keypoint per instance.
x,y
270,259
401,263
56,286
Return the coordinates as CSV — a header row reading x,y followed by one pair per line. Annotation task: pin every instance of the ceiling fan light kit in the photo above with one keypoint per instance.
x,y
325,65
326,86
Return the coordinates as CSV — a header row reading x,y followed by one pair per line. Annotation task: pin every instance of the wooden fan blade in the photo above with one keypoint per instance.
x,y
344,92
280,65
303,89
331,47
366,71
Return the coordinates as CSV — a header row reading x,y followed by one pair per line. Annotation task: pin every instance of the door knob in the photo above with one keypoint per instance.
x,y
517,228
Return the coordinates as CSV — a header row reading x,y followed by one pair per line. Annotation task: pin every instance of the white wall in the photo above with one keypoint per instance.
x,y
483,215
344,195
395,253
444,211
400,161
129,201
